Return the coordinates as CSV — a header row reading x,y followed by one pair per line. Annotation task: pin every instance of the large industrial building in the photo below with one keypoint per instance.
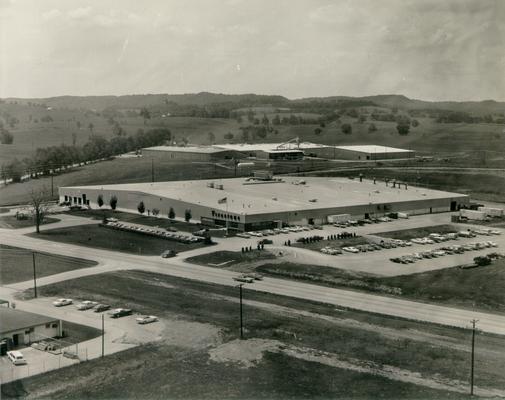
x,y
264,202
292,150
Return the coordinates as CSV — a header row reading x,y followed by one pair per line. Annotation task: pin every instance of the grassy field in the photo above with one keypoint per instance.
x,y
476,288
11,222
103,238
349,334
407,234
177,373
229,258
75,333
16,264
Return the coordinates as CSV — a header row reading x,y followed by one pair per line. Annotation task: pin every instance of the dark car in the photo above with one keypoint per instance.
x,y
101,308
120,312
168,253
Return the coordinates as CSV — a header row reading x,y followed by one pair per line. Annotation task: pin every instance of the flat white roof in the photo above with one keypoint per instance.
x,y
186,149
269,146
248,197
372,148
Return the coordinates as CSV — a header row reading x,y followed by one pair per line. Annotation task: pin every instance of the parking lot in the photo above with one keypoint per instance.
x,y
379,261
120,334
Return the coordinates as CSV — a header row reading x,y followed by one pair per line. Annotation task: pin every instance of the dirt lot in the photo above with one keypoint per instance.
x,y
310,350
108,239
16,264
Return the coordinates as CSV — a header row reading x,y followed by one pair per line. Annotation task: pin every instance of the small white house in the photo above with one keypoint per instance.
x,y
23,328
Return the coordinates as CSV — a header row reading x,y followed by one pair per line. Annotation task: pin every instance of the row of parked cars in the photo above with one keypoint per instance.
x,y
443,251
361,222
277,231
363,248
170,234
99,307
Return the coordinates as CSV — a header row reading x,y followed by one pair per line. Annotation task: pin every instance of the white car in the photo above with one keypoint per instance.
x,y
243,235
62,302
494,232
492,244
146,319
417,241
86,305
16,357
351,249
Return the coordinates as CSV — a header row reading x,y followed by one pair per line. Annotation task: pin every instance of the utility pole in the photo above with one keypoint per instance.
x,y
34,276
103,337
241,314
474,321
152,170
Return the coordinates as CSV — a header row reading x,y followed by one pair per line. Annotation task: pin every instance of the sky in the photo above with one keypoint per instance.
x,y
424,49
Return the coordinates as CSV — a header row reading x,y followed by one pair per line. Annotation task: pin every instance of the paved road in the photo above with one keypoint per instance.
x,y
112,261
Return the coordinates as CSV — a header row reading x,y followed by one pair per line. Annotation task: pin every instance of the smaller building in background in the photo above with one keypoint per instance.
x,y
371,152
189,153
22,328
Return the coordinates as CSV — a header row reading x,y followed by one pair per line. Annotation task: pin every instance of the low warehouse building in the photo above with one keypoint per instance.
x,y
190,153
22,328
371,152
254,203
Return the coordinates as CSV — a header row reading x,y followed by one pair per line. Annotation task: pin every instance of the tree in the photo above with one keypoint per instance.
x,y
482,261
276,120
113,202
155,212
265,120
187,215
346,129
372,128
91,127
415,123
212,137
39,206
403,128
318,131
6,137
171,213
144,113
99,200
141,207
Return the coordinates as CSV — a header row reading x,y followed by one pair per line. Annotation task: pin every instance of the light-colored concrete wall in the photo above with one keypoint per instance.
x,y
39,332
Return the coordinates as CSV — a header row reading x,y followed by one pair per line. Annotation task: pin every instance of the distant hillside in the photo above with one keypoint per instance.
x,y
403,102
250,100
145,100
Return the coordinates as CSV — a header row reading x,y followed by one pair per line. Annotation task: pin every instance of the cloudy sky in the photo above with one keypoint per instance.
x,y
426,49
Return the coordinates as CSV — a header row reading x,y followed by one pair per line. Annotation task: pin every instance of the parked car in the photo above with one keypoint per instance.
x,y
146,319
168,253
120,312
62,302
16,357
86,305
243,278
243,235
350,249
254,275
101,307
265,241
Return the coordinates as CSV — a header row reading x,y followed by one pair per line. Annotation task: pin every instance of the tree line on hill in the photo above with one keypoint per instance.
x,y
57,158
